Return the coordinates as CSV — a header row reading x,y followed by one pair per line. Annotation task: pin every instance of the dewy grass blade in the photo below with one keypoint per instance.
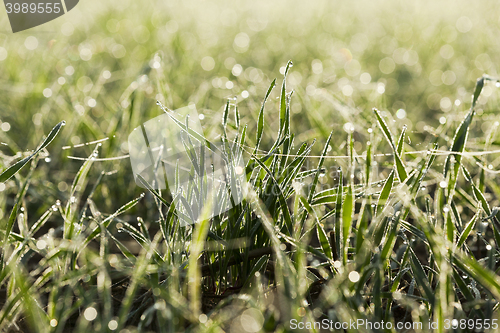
x,y
11,171
487,278
460,138
348,205
386,191
338,210
421,278
323,239
17,205
283,108
77,189
110,218
282,201
400,168
260,121
318,172
466,232
193,273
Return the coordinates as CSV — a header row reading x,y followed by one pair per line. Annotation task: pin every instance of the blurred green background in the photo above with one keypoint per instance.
x,y
102,66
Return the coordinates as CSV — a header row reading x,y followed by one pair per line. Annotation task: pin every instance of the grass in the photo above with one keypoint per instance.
x,y
355,210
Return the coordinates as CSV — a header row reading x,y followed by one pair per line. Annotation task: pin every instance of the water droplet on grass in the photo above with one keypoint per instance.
x,y
90,313
354,276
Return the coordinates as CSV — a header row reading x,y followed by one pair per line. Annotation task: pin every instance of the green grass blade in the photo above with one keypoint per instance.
x,y
11,171
400,168
260,121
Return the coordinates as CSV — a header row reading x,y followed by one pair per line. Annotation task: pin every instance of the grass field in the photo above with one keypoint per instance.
x,y
370,135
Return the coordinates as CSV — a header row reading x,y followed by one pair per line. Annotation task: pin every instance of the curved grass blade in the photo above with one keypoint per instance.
x,y
462,132
421,278
386,191
281,197
318,172
11,171
260,122
400,168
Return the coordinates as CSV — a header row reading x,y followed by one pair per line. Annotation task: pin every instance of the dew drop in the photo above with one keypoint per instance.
x,y
354,276
54,208
63,123
90,314
47,159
